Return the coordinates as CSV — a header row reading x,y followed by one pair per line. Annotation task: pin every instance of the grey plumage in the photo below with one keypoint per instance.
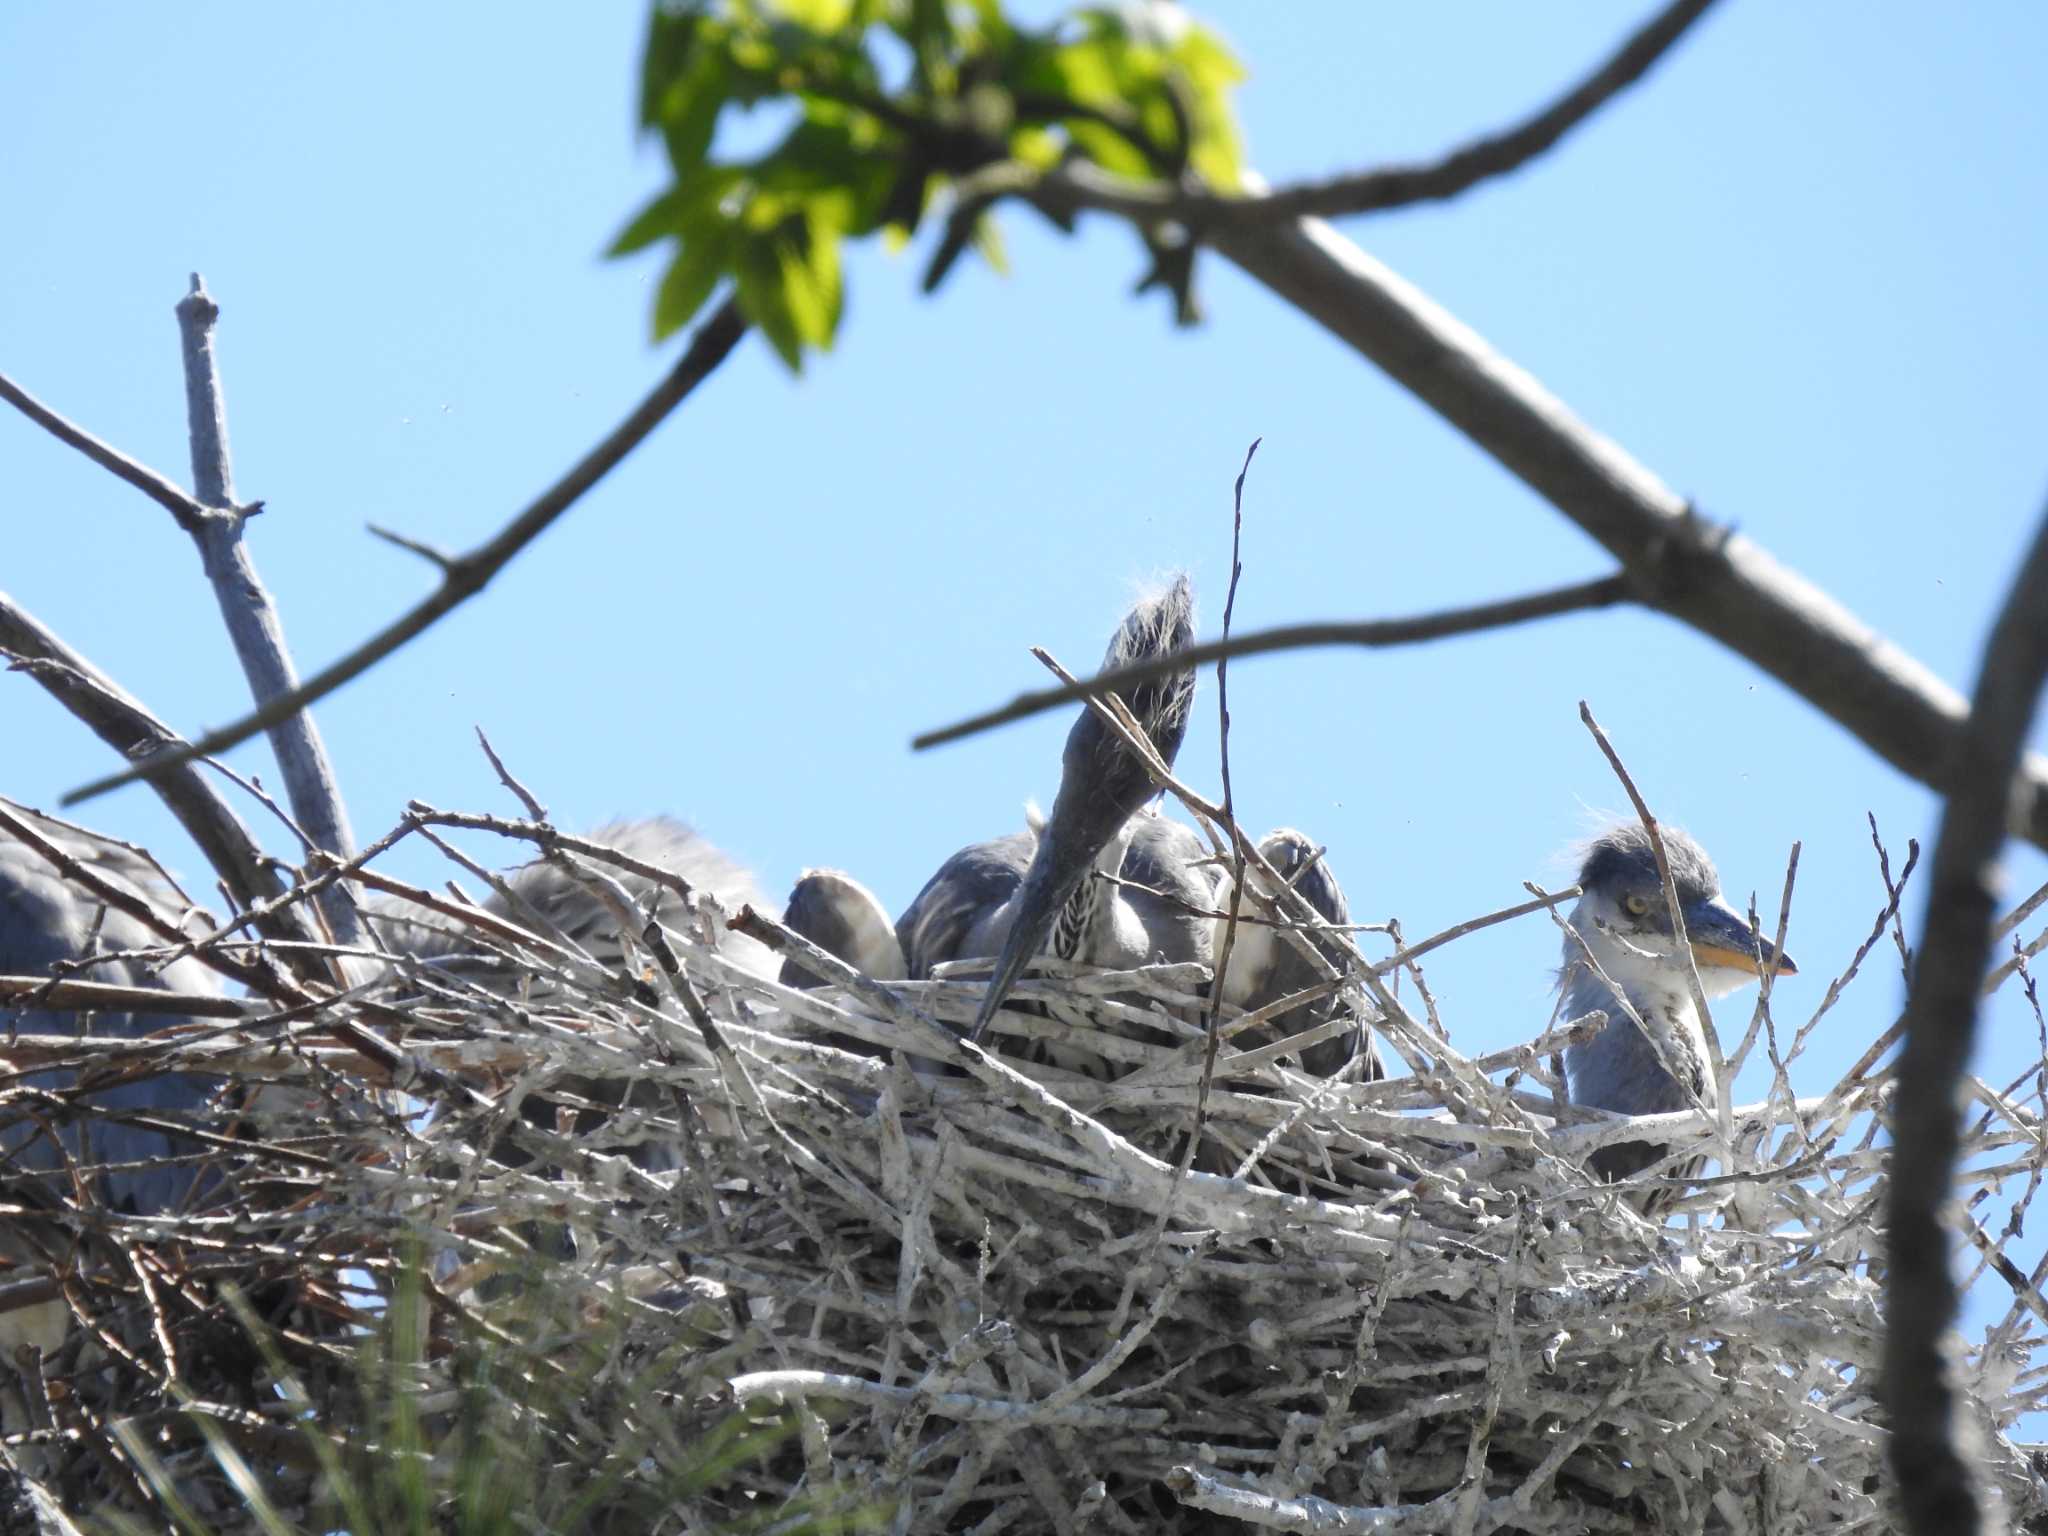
x,y
842,917
1625,922
44,920
1265,966
573,910
1103,785
1014,896
1157,915
967,907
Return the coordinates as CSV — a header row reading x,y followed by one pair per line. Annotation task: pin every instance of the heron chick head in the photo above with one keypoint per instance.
x,y
1103,782
1626,922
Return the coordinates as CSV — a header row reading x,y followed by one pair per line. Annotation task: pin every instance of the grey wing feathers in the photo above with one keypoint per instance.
x,y
842,917
45,919
813,913
1294,857
572,909
1164,858
953,917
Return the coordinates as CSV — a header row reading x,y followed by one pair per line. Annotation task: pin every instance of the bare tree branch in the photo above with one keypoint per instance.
x,y
188,512
1373,633
1494,155
1936,1482
1706,575
246,609
133,732
1385,187
469,573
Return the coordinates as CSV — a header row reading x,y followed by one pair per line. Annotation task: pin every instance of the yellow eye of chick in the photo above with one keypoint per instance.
x,y
1637,905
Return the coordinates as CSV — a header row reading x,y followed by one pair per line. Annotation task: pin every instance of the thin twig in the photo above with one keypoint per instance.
x,y
1229,804
156,487
471,571
1401,186
1372,633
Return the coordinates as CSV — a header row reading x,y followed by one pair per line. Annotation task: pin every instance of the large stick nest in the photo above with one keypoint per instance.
x,y
955,1293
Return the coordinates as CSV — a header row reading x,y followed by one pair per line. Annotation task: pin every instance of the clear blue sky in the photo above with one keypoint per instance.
x,y
1798,273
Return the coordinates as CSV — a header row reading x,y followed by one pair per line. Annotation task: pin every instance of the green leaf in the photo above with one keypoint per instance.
x,y
671,36
818,15
690,279
1108,148
988,239
811,283
758,271
691,109
660,218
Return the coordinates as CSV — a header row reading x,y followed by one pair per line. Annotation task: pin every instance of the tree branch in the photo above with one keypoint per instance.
x,y
1373,633
173,499
1706,575
134,733
469,573
250,615
1935,1480
1494,155
1386,187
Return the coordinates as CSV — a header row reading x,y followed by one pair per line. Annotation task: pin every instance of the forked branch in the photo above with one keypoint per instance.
x,y
466,575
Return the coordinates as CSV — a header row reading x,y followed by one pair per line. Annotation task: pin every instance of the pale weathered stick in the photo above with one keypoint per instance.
x,y
465,575
247,610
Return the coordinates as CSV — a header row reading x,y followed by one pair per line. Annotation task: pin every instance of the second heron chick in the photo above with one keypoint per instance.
x,y
1018,896
1623,923
1266,964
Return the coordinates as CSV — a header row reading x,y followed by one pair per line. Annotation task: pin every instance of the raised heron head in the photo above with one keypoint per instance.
x,y
1103,783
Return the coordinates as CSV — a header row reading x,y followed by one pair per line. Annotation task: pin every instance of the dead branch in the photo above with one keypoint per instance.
x,y
133,732
1373,634
467,574
245,606
1928,1449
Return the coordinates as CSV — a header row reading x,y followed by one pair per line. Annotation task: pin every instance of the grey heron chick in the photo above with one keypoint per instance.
x,y
1265,965
842,917
1016,896
46,920
576,911
1625,923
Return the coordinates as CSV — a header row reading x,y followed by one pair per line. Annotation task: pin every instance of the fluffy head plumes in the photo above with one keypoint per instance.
x,y
1620,861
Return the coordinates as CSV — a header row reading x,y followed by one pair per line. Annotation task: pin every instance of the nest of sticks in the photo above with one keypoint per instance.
x,y
669,1246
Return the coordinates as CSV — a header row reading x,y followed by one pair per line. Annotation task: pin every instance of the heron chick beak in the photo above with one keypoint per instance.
x,y
1057,868
1103,783
1722,940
